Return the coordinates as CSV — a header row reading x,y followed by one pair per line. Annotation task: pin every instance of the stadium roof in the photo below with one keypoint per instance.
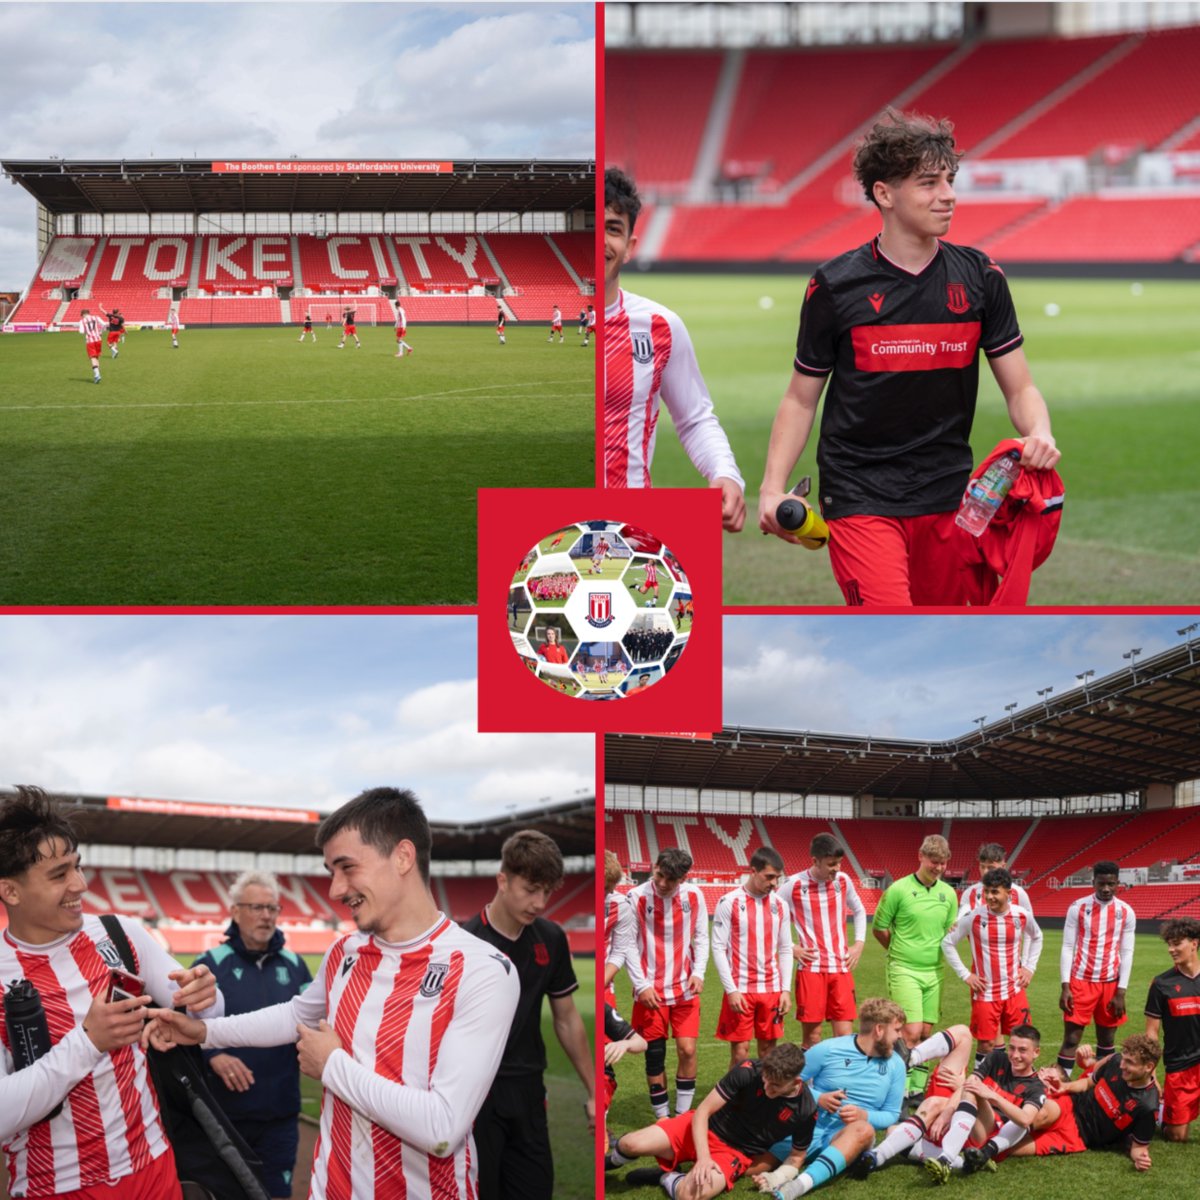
x,y
303,185
1133,728
138,821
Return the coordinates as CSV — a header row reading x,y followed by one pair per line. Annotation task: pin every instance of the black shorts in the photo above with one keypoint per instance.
x,y
513,1142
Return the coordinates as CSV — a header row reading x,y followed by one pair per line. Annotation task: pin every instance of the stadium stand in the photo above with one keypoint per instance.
x,y
1053,147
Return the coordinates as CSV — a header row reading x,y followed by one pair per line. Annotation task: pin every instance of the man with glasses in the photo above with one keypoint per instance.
x,y
261,1091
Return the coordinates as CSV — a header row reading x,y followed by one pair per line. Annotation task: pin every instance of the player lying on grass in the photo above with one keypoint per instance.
x,y
1114,1105
756,1103
956,1110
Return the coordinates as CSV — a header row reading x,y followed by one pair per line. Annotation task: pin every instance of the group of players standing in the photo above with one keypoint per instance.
x,y
796,1116
110,326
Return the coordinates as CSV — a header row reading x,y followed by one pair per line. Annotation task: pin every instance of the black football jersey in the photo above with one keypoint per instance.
x,y
997,1072
543,962
752,1121
1111,1110
902,351
1175,999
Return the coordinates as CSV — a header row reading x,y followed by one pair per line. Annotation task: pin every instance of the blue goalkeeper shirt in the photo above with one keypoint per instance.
x,y
875,1085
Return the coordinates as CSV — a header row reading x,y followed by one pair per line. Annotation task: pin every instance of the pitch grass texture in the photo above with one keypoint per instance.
x,y
1118,370
1095,1173
245,468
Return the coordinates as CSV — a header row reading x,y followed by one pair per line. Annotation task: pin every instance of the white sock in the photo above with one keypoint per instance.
x,y
961,1124
1007,1136
937,1045
800,1186
661,1110
906,1135
670,1181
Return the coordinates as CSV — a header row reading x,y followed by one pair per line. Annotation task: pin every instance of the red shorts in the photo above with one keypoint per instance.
x,y
350,330
557,327
761,1019
93,349
158,1181
989,1017
1063,1136
937,1086
825,996
1181,1096
680,1020
610,1087
1094,998
899,561
400,333
114,336
733,1163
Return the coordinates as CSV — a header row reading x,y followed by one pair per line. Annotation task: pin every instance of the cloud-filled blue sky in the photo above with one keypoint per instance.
x,y
914,676
315,80
296,711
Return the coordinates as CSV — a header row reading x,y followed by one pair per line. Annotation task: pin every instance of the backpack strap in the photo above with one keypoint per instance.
x,y
116,931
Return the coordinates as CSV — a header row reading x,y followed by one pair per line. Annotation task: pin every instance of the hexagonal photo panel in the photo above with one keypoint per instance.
x,y
593,610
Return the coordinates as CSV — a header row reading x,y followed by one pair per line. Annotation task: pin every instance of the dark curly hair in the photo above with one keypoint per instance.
x,y
621,195
29,819
901,144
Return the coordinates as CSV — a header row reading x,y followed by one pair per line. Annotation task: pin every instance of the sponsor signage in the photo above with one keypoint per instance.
x,y
188,808
288,166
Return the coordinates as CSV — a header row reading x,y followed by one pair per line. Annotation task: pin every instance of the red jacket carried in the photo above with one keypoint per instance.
x,y
1019,539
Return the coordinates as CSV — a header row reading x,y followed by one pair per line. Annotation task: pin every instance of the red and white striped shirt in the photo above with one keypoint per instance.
x,y
820,911
401,318
752,942
620,937
672,935
651,574
424,1025
973,898
648,357
999,946
173,320
92,327
1097,943
109,1125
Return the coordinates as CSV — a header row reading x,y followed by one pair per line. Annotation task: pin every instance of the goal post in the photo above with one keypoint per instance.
x,y
366,312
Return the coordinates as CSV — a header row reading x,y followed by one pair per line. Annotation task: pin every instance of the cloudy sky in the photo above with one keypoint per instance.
x,y
315,80
297,711
917,677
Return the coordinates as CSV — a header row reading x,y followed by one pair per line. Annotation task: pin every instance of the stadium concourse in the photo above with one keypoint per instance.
x,y
1106,771
261,243
1089,153
169,863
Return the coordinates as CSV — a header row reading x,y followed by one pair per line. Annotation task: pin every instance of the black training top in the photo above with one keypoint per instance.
x,y
1175,999
752,1121
903,352
1111,1110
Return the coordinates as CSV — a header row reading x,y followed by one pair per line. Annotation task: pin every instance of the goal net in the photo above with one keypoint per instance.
x,y
366,312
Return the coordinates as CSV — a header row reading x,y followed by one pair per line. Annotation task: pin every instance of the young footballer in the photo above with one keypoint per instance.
x,y
648,358
757,1103
92,328
589,330
511,1133
83,1120
500,322
349,329
173,326
308,331
1006,943
821,900
991,856
752,951
896,327
912,918
402,347
556,324
1115,1105
671,923
1173,1008
1095,964
400,1023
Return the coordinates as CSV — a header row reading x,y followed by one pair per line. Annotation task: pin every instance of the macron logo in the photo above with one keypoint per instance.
x,y
876,301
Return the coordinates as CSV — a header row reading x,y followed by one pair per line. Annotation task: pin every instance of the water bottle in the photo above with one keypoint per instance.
x,y
25,1021
985,494
806,523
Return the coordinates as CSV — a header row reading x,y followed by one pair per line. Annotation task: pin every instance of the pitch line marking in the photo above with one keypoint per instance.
x,y
486,388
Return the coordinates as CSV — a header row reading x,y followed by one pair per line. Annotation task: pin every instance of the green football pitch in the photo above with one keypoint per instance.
x,y
1117,365
245,468
1072,1177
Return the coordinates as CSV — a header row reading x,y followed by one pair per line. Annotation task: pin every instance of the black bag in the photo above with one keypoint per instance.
x,y
208,1149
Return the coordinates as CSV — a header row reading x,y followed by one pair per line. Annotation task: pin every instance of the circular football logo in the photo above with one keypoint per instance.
x,y
600,610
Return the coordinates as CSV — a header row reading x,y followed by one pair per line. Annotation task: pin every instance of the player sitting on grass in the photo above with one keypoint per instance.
x,y
752,1106
858,1084
1114,1105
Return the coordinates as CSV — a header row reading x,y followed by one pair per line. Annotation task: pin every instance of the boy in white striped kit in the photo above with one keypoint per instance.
x,y
671,921
1095,964
413,1003
821,899
752,950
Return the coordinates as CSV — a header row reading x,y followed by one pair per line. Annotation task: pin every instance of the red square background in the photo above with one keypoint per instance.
x,y
511,698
